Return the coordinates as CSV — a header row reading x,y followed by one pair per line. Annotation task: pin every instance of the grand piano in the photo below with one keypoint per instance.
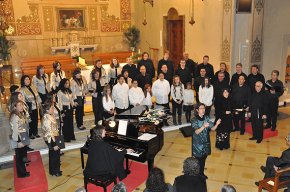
x,y
146,138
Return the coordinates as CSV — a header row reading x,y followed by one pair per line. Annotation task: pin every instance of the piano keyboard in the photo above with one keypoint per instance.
x,y
135,153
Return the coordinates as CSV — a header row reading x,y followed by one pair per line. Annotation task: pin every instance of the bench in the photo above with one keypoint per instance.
x,y
107,57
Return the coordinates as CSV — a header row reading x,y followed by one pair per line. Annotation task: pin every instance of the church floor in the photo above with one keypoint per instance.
x,y
238,166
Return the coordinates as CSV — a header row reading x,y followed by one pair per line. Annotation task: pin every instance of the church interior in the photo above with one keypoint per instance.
x,y
78,33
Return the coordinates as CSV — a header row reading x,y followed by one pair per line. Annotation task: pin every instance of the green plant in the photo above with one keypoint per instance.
x,y
5,47
132,36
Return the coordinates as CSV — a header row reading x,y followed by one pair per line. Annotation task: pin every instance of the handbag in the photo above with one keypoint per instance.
x,y
59,140
24,138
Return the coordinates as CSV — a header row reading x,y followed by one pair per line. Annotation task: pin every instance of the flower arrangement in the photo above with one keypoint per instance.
x,y
153,116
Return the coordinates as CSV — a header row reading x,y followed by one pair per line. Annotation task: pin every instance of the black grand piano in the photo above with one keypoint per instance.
x,y
145,138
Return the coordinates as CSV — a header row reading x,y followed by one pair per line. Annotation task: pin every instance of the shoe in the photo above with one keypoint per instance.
x,y
32,137
273,129
81,128
84,127
263,168
257,183
252,138
37,136
259,141
61,153
267,126
73,139
57,174
175,123
29,149
27,174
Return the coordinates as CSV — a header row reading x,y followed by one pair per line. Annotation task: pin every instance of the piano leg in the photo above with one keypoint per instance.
x,y
127,166
150,164
82,159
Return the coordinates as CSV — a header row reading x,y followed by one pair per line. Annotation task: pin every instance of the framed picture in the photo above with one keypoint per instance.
x,y
71,19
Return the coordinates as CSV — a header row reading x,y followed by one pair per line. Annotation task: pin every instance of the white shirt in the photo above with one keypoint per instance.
x,y
56,78
178,93
78,90
136,96
120,95
160,90
108,105
205,95
41,84
147,100
188,97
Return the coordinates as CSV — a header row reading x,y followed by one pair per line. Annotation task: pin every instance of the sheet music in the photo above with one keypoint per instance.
x,y
122,128
147,136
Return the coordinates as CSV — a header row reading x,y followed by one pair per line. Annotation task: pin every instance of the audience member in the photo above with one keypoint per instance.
x,y
156,182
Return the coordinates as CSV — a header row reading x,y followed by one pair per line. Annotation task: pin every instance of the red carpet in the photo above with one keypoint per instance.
x,y
137,176
37,181
267,132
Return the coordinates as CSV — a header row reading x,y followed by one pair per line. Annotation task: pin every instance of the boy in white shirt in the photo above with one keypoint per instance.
x,y
121,95
136,94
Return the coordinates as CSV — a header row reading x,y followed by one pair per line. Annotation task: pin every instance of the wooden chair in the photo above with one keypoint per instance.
x,y
100,180
263,184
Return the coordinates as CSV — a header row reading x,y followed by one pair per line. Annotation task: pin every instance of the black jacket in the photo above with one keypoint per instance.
x,y
235,79
184,75
191,65
132,70
148,65
275,85
258,103
189,183
143,80
252,79
169,77
169,64
240,96
208,68
227,76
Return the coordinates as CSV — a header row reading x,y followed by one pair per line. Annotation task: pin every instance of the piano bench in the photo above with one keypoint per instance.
x,y
100,180
83,150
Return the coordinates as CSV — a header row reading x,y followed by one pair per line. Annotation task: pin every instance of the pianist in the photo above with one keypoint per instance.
x,y
103,160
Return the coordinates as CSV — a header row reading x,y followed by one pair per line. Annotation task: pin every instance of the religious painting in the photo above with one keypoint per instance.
x,y
71,19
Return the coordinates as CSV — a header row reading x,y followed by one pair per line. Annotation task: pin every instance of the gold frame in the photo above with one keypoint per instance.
x,y
69,11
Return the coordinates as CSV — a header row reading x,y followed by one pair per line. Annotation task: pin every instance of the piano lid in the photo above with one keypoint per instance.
x,y
134,112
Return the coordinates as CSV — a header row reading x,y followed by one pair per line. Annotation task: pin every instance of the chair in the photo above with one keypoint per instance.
x,y
100,180
263,184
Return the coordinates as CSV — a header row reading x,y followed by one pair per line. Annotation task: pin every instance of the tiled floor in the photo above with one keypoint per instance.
x,y
238,166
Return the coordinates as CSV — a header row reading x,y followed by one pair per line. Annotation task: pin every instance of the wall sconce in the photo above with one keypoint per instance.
x,y
149,1
191,12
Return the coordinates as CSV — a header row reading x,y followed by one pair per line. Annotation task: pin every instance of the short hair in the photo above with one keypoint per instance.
x,y
96,132
191,166
13,88
223,63
228,188
276,71
120,76
256,66
239,64
97,61
166,51
206,56
145,53
197,106
221,73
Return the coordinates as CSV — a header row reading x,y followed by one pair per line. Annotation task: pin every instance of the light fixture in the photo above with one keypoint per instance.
x,y
149,1
191,12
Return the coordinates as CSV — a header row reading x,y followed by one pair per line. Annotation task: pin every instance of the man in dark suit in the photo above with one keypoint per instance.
x,y
275,163
166,61
223,68
235,76
131,68
208,67
190,64
254,77
167,74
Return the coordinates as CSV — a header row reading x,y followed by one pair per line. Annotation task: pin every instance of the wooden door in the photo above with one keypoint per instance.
x,y
175,40
287,76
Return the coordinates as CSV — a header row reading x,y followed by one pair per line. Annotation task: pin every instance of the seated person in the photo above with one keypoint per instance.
x,y
275,163
103,160
228,188
191,178
156,182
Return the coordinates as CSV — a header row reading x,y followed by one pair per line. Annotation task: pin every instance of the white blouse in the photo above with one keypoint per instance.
x,y
56,78
177,93
108,105
205,95
188,97
136,96
41,84
161,90
120,95
147,101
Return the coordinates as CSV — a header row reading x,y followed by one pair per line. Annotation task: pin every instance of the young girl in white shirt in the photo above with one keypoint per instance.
x,y
108,103
177,90
206,95
147,101
188,98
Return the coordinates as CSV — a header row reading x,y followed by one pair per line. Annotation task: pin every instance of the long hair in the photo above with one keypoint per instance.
x,y
156,181
203,83
23,79
145,90
55,64
177,85
46,106
145,53
94,71
14,97
106,93
79,81
62,87
96,61
39,67
112,64
96,133
14,111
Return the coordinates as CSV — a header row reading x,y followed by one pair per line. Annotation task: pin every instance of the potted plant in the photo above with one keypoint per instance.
x,y
132,37
5,48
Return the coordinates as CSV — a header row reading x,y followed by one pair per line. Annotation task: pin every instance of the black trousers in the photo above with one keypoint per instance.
x,y
187,109
107,115
207,110
68,127
176,108
239,121
33,129
20,155
272,116
43,97
98,108
79,113
257,126
201,161
54,160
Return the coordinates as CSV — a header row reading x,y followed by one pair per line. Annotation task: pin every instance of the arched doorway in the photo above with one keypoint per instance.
x,y
174,35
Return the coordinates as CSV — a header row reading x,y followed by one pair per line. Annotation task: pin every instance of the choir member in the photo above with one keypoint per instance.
x,y
254,77
12,89
190,64
183,73
224,129
207,66
66,105
143,78
136,94
108,103
33,101
96,89
147,101
156,182
103,73
188,99
202,126
205,95
18,124
131,68
241,94
110,162
148,63
198,81
79,89
235,77
50,129
276,89
166,61
223,68
161,90
218,86
258,110
191,178
177,90
120,95
56,76
167,74
114,71
127,79
41,83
